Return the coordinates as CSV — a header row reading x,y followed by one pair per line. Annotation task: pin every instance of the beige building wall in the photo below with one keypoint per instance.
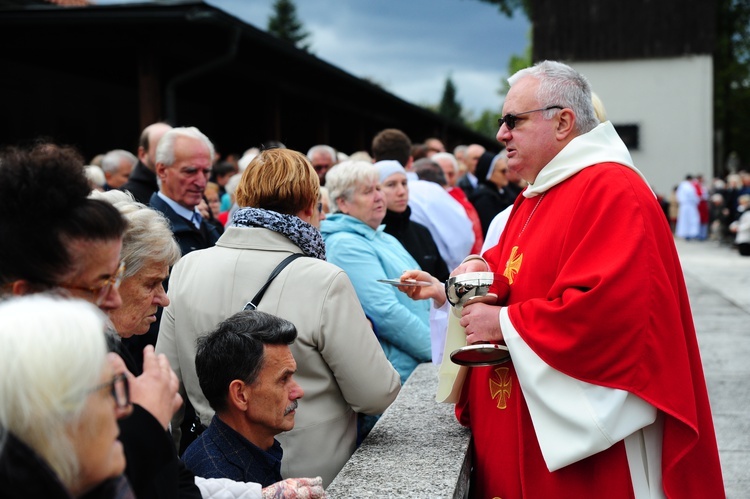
x,y
671,101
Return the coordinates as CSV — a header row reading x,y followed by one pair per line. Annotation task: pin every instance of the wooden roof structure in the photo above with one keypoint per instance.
x,y
606,30
95,76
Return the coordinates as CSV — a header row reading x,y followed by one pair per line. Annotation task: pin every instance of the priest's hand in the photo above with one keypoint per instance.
x,y
481,322
472,263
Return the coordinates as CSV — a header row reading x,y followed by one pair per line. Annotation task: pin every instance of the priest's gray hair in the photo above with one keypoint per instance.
x,y
561,85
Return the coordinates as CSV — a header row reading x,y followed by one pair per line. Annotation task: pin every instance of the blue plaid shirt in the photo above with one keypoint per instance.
x,y
221,452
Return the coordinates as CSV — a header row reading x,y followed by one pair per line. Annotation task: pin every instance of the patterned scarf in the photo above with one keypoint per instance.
x,y
298,231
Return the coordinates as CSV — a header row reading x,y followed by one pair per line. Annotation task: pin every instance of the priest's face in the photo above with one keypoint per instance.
x,y
531,144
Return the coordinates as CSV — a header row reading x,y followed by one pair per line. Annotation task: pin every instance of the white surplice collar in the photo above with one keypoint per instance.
x,y
600,145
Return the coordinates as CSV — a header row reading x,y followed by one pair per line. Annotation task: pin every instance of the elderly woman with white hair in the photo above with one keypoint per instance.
x,y
61,394
356,242
148,251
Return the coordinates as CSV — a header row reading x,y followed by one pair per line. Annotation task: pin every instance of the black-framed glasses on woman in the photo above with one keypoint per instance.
x,y
119,386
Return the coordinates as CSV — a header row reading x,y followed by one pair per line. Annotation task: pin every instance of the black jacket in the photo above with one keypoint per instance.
x,y
188,237
465,184
141,183
418,241
25,475
153,468
489,201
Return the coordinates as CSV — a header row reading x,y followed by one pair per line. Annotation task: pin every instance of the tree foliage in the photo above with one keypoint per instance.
x,y
732,82
516,63
486,124
508,7
449,107
284,24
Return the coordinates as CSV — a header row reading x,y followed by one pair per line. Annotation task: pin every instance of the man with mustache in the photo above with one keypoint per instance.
x,y
245,369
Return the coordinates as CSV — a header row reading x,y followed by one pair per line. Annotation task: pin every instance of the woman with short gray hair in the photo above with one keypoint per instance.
x,y
356,242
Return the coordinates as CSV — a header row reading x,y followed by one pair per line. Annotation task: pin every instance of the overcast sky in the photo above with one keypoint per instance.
x,y
409,47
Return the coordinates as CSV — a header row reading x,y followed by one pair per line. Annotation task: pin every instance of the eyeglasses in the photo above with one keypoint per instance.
x,y
120,389
100,292
511,119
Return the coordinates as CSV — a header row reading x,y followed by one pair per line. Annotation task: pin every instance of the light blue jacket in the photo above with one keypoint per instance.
x,y
366,255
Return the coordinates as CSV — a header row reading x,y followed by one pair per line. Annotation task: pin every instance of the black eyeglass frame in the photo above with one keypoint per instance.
x,y
121,394
510,119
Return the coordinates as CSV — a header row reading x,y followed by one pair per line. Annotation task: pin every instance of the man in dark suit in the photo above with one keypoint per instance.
x,y
469,182
142,181
183,165
182,161
183,158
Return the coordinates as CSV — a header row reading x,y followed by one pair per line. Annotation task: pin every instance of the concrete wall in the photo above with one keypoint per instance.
x,y
671,100
416,450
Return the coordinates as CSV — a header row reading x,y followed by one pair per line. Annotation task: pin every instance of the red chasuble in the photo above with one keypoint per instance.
x,y
597,292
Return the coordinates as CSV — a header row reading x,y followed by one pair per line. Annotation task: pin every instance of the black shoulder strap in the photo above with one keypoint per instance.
x,y
253,304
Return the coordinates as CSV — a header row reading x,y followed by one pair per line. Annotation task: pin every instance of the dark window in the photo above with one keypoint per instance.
x,y
629,135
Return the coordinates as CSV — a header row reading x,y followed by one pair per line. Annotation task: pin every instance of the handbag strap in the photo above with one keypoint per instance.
x,y
253,304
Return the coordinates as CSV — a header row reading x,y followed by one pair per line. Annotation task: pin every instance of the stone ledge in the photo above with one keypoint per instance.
x,y
417,449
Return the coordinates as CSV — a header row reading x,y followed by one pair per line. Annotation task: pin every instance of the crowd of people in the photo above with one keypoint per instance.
x,y
714,212
248,319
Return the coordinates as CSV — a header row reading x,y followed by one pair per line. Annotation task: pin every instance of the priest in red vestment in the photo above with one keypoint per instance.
x,y
604,395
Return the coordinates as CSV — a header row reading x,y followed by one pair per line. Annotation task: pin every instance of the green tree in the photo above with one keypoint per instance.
x,y
508,7
284,24
449,107
516,63
486,123
732,83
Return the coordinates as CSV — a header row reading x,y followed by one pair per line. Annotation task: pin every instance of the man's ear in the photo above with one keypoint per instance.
x,y
21,287
161,168
238,395
565,124
142,154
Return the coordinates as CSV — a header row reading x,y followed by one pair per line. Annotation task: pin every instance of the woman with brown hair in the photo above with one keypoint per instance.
x,y
341,367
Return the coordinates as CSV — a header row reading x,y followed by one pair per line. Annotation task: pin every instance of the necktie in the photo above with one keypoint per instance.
x,y
197,219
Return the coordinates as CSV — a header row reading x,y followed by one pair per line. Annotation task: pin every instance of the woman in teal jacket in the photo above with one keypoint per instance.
x,y
356,242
